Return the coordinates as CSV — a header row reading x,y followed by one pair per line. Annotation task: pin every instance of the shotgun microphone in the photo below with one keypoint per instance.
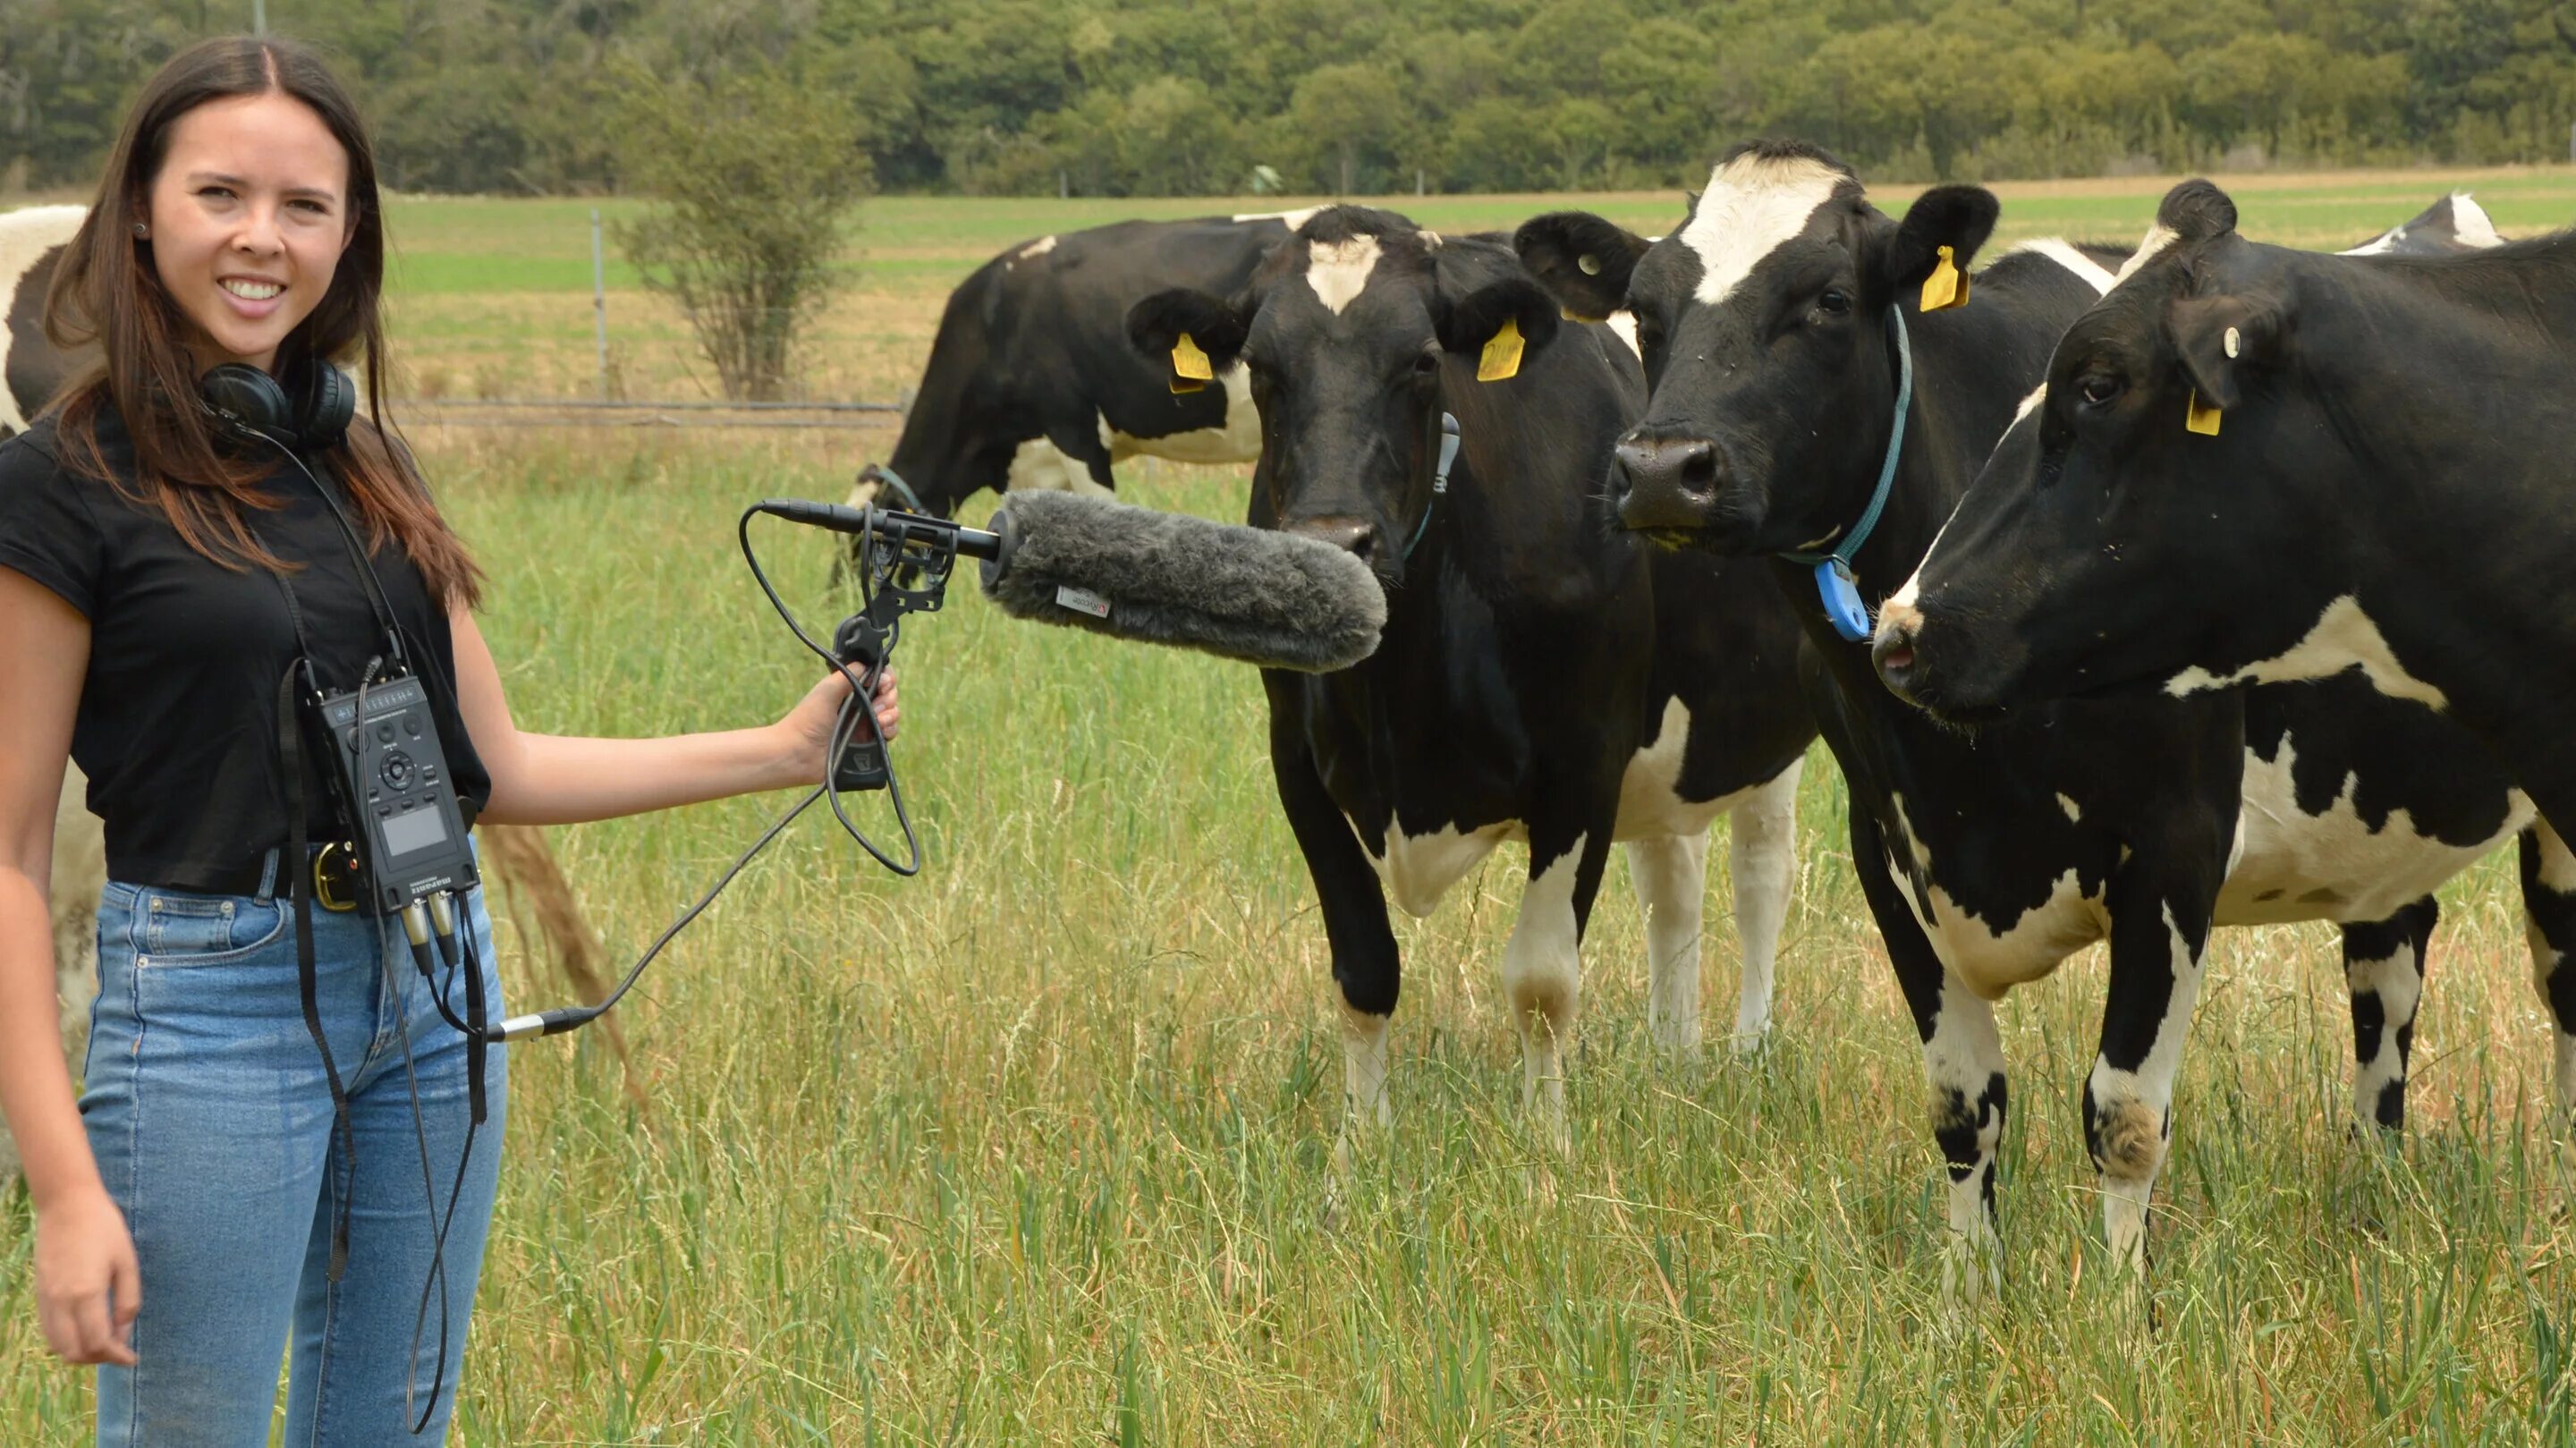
x,y
1249,594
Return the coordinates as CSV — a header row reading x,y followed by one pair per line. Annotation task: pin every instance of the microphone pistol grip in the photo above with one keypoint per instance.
x,y
861,764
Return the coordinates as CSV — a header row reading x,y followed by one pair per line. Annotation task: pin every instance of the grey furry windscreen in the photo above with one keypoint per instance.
x,y
1240,593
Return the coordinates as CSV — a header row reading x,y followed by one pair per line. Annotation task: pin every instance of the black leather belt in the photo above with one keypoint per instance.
x,y
332,867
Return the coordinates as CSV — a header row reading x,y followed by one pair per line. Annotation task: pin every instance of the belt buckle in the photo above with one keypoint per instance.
x,y
335,864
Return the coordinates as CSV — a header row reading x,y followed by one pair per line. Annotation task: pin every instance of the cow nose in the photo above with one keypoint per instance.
x,y
1355,536
1664,482
1893,654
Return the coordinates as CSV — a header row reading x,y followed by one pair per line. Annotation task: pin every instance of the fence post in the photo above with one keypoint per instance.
x,y
599,300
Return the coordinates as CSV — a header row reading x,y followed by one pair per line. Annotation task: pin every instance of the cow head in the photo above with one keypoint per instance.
x,y
1352,328
2140,523
1763,323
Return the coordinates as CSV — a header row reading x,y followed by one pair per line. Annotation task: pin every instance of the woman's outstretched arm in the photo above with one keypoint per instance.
x,y
553,779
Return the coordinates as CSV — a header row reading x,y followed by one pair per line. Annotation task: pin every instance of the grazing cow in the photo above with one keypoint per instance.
x,y
1540,678
1031,383
2448,227
2253,465
32,370
1774,324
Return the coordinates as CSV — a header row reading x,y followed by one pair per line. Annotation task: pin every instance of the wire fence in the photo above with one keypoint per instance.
x,y
547,412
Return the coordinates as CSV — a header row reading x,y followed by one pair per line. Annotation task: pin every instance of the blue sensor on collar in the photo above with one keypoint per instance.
x,y
1843,608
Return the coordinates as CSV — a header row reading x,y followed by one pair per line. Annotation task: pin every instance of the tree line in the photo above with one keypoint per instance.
x,y
1176,97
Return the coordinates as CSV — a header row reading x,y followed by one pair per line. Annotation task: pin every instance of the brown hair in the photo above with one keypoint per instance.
x,y
105,290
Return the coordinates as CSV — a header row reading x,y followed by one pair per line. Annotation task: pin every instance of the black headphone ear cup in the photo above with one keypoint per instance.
x,y
245,400
330,404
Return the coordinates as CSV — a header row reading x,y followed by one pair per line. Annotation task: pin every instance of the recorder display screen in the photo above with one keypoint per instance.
x,y
417,830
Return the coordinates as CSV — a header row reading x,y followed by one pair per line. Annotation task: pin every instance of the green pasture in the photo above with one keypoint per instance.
x,y
1034,1148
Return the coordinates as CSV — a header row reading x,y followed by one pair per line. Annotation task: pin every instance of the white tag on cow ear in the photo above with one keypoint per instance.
x,y
2199,419
1947,287
2235,344
1191,369
1502,355
1588,264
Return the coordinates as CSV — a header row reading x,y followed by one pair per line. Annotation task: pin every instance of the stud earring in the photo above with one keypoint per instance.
x,y
142,229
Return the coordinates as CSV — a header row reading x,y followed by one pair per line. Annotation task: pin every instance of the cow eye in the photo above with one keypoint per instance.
x,y
1427,365
2098,389
1834,303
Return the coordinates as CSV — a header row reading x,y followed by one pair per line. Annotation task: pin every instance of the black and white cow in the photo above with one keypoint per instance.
x,y
1031,383
2252,465
1989,857
2449,226
1541,677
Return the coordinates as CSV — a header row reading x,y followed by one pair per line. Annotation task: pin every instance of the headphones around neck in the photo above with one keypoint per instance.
x,y
311,407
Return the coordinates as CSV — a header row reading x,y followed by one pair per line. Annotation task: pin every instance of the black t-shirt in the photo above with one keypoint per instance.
x,y
177,727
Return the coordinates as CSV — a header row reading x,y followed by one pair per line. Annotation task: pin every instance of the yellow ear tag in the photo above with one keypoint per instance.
x,y
1947,287
1191,370
1502,355
2199,419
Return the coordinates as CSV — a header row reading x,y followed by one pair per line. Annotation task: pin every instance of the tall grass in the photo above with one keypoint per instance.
x,y
1033,1148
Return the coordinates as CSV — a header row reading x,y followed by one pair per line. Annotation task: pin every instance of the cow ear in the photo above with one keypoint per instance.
x,y
1496,324
2197,211
1585,260
2219,339
1214,329
1940,233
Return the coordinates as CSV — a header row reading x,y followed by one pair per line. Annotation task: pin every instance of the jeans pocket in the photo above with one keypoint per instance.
x,y
177,927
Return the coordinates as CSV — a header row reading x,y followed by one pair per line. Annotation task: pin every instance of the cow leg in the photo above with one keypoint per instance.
x,y
2549,922
1671,872
1963,1066
1762,844
2383,963
1365,962
1541,969
2158,931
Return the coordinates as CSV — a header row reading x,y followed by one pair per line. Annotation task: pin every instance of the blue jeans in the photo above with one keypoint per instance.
x,y
208,1110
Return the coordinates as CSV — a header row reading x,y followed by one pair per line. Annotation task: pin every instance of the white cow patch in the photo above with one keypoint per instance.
x,y
2031,403
1650,801
1037,248
1290,219
1990,962
1753,204
2159,237
1238,440
1038,465
2471,223
1339,270
2343,637
1418,869
2332,866
2056,249
25,236
1624,322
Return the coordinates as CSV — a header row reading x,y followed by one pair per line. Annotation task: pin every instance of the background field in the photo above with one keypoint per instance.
x,y
1032,1148
495,294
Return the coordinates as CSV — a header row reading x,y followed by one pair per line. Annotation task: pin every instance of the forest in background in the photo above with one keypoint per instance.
x,y
1221,97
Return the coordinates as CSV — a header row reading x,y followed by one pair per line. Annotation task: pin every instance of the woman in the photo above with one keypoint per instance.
x,y
157,570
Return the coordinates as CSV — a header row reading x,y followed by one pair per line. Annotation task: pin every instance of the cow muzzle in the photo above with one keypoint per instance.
x,y
1356,536
1667,483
